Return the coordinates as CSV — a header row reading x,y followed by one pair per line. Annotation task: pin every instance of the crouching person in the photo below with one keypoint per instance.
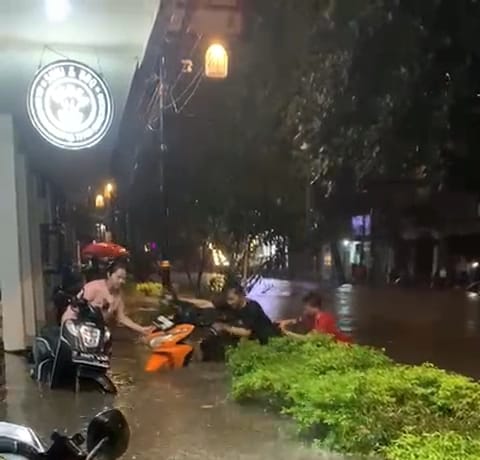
x,y
316,321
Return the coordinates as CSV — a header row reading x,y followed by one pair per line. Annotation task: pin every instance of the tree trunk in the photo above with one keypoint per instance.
x,y
201,269
189,274
337,262
245,266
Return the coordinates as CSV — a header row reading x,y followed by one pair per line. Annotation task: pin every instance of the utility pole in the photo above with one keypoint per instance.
x,y
165,263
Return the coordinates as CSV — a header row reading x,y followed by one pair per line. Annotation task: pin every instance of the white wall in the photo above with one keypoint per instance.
x,y
21,175
22,210
10,266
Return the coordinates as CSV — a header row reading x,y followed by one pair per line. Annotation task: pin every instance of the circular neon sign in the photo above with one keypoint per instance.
x,y
70,105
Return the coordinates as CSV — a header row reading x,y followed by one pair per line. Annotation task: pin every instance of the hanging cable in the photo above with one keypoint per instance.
x,y
191,95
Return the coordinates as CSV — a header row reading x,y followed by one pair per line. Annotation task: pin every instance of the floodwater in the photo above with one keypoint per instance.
x,y
414,326
187,414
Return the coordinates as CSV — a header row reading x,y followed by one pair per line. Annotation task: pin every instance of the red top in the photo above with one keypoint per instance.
x,y
325,323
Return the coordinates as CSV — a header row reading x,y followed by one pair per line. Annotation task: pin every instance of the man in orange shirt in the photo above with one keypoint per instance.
x,y
316,320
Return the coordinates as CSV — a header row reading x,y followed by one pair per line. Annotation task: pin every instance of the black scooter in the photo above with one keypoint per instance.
x,y
76,352
108,436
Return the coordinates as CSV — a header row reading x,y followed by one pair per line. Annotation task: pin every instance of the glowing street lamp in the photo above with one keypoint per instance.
x,y
57,10
216,61
99,201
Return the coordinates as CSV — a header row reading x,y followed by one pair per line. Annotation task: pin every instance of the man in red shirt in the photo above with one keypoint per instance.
x,y
316,320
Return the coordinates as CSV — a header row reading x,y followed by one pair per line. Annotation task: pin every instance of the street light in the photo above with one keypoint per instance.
x,y
99,201
57,10
216,61
108,192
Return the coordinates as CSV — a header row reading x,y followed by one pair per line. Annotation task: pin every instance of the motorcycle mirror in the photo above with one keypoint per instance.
x,y
108,435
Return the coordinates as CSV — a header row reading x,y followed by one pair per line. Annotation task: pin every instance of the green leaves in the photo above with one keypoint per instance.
x,y
354,399
437,446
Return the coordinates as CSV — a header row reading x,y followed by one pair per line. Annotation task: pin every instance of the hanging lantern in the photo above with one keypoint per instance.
x,y
216,61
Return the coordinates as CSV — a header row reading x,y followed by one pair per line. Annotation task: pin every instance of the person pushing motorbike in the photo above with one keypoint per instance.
x,y
253,321
106,295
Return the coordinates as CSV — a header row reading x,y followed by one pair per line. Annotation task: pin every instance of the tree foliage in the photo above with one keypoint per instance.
x,y
323,94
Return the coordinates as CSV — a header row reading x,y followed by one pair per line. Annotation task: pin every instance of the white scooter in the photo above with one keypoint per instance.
x,y
108,435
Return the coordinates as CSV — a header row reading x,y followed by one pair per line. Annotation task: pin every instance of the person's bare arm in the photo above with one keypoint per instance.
x,y
124,320
236,331
288,322
294,335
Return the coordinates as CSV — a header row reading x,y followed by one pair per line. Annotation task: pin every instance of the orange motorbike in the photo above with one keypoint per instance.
x,y
168,345
172,344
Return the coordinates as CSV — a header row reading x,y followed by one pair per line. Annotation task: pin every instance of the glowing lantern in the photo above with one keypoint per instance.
x,y
216,61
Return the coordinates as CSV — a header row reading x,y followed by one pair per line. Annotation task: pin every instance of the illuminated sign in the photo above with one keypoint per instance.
x,y
361,225
70,105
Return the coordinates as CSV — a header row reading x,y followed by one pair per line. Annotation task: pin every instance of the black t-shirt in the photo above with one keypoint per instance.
x,y
253,317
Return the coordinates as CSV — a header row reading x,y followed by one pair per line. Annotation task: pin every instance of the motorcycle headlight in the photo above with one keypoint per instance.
x,y
90,336
72,328
108,334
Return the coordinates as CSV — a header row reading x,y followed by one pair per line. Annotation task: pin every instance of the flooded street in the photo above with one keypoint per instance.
x,y
414,326
187,414
181,415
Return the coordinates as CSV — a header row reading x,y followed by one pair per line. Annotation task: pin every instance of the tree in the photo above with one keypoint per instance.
x,y
322,97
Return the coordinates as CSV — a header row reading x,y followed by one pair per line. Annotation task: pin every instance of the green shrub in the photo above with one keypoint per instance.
x,y
351,398
436,446
150,289
317,355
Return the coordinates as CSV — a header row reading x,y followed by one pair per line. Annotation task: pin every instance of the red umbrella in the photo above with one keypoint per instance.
x,y
104,251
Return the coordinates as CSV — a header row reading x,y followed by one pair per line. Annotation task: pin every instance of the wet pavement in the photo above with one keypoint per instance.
x,y
187,414
179,415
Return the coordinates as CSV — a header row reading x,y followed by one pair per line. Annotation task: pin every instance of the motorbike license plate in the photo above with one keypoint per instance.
x,y
89,358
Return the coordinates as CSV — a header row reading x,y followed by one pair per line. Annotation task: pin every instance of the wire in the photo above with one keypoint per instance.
x,y
154,99
58,53
182,94
191,95
180,74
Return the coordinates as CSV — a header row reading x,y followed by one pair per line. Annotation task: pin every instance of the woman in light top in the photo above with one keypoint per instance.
x,y
106,295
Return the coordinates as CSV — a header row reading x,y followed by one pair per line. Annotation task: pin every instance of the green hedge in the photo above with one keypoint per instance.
x,y
436,446
354,399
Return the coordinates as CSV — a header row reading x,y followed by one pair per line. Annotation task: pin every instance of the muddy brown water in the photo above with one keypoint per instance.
x,y
188,415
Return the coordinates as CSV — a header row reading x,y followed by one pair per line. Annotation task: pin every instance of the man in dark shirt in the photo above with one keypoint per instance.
x,y
253,322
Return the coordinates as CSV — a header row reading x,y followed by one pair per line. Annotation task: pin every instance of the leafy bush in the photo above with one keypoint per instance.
x,y
150,289
436,446
352,398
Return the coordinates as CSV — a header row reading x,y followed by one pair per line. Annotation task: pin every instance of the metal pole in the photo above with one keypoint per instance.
x,y
165,264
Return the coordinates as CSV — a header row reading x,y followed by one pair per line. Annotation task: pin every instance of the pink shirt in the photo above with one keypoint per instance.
x,y
98,295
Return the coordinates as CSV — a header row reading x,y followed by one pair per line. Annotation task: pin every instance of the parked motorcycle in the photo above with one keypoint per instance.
x,y
76,352
172,344
108,435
